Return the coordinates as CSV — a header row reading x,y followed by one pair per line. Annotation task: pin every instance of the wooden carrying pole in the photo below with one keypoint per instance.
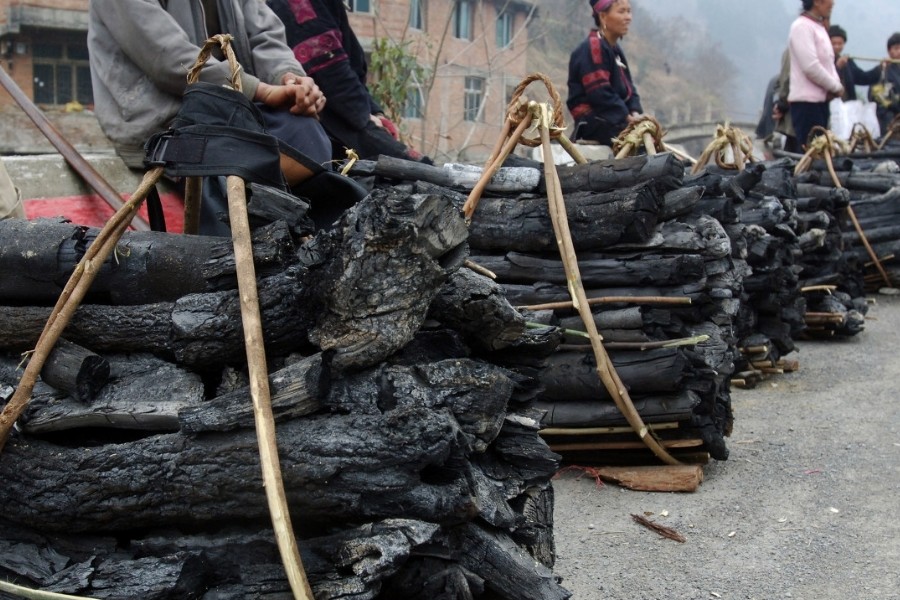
x,y
259,389
68,152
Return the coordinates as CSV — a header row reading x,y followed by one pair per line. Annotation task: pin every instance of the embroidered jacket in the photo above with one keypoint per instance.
x,y
601,91
319,33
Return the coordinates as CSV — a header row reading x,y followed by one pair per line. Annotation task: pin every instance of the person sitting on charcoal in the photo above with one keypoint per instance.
x,y
322,40
140,53
602,97
850,73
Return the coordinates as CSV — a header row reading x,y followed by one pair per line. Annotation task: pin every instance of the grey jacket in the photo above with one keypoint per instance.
x,y
140,53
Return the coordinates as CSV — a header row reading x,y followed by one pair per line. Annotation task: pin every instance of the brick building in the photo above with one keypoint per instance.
x,y
474,52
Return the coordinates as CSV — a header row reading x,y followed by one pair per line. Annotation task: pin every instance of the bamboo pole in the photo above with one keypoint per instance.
x,y
251,319
259,387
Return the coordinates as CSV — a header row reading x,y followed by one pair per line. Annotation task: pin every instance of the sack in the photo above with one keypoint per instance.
x,y
846,115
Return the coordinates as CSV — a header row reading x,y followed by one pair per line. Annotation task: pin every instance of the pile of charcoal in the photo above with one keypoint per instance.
x,y
411,458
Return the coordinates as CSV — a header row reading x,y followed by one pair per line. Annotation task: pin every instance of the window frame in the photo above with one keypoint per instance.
x,y
352,7
473,99
65,72
416,19
505,28
463,24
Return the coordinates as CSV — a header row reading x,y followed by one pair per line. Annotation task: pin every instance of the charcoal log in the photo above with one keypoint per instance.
x,y
596,220
75,370
664,170
197,330
596,271
701,235
570,376
660,408
37,258
144,393
476,307
376,272
401,452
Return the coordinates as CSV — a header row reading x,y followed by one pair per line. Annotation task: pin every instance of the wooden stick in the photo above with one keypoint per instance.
x,y
479,269
669,444
602,430
32,594
572,149
666,532
193,192
889,60
818,288
251,319
608,300
653,478
675,343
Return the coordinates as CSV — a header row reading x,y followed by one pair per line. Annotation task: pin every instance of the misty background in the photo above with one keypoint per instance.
x,y
752,35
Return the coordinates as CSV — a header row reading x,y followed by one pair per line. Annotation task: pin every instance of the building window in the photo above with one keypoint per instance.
x,y
417,14
504,29
413,107
360,6
462,19
62,73
474,97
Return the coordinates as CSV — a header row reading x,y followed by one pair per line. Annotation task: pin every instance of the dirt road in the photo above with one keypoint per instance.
x,y
807,506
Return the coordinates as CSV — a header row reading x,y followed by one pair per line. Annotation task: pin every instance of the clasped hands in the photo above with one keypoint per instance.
x,y
301,94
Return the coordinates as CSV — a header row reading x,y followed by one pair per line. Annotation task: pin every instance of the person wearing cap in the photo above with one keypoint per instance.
x,y
602,97
886,93
850,73
814,80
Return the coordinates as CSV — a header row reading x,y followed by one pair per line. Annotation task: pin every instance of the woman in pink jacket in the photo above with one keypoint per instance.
x,y
814,78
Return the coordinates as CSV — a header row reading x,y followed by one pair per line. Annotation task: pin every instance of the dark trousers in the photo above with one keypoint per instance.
x,y
806,116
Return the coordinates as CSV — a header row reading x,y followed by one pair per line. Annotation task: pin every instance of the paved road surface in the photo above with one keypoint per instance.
x,y
807,507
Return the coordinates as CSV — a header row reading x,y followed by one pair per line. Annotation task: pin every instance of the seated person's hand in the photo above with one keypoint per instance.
x,y
633,117
383,122
300,94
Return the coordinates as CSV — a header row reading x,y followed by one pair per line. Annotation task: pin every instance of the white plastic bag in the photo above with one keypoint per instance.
x,y
845,115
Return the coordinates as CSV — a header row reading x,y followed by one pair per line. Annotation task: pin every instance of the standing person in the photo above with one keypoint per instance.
x,y
319,33
140,52
781,112
850,73
886,93
602,97
814,79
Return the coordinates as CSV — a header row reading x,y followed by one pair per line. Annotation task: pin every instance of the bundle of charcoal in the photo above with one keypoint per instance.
x,y
412,463
665,293
872,191
758,215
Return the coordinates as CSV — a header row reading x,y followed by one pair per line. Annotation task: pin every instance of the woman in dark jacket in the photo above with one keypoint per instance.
x,y
320,35
602,97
